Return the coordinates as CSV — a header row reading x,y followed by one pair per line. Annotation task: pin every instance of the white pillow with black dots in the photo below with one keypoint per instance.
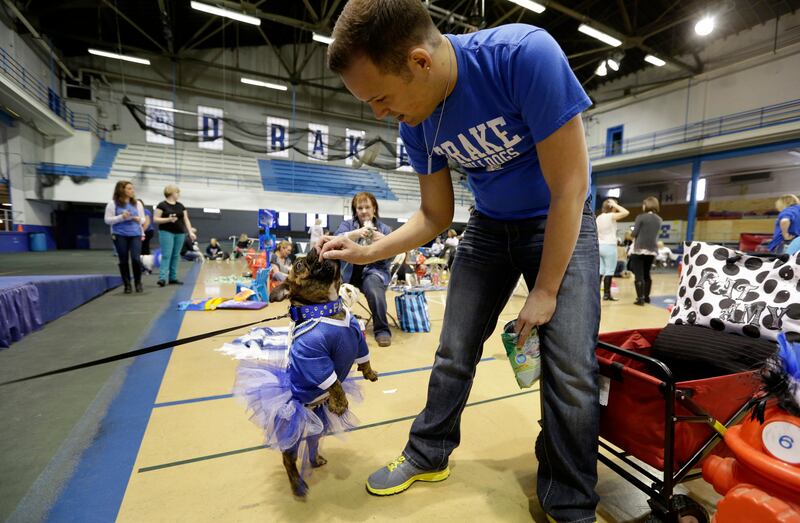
x,y
730,291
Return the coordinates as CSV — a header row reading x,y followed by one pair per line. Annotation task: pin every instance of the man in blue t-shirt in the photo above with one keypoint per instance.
x,y
504,104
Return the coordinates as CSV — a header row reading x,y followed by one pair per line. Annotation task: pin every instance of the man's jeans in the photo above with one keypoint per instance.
x,y
487,265
374,289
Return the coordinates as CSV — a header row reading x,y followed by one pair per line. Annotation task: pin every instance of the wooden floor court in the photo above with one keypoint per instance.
x,y
201,459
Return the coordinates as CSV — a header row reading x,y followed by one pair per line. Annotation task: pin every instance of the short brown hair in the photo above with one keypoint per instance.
x,y
381,30
651,204
363,196
607,207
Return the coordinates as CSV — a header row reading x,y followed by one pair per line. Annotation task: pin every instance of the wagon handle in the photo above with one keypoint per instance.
x,y
666,374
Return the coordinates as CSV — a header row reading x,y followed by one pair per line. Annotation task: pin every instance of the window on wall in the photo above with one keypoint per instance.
x,y
614,140
160,121
209,127
701,190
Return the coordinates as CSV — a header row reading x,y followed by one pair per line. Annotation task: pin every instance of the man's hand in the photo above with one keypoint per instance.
x,y
538,309
343,248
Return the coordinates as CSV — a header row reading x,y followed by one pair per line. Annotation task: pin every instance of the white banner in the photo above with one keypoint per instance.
x,y
209,127
354,141
158,115
278,136
402,157
318,141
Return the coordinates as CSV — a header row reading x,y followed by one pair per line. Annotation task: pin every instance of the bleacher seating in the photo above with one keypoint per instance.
x,y
212,166
100,167
406,186
321,178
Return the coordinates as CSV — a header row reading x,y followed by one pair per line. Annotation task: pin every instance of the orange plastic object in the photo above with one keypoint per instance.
x,y
255,260
757,487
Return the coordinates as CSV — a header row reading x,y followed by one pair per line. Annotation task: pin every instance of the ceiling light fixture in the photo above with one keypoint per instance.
x,y
658,62
527,4
327,40
227,13
259,83
106,54
613,64
704,26
603,37
601,69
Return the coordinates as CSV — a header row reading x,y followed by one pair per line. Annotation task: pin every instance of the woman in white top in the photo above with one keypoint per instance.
x,y
315,233
607,237
125,214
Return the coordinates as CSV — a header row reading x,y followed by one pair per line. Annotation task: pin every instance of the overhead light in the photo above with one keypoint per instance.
x,y
527,4
601,69
327,40
404,220
613,64
259,83
106,54
704,26
658,62
227,13
613,193
7,204
594,33
210,210
793,153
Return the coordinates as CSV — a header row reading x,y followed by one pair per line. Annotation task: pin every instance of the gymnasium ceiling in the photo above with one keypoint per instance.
x,y
171,28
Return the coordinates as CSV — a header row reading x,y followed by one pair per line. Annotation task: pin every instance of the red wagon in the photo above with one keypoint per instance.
x,y
649,417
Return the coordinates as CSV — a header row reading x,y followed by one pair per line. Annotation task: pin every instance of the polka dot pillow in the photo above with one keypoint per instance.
x,y
727,290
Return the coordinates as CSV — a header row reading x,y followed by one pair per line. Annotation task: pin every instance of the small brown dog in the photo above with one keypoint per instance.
x,y
325,342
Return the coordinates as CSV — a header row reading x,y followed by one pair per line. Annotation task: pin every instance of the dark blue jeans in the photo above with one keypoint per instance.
x,y
375,291
487,266
129,246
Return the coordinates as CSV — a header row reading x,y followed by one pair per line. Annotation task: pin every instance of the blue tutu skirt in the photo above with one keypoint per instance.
x,y
288,423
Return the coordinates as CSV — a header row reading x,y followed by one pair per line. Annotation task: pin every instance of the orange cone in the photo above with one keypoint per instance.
x,y
19,227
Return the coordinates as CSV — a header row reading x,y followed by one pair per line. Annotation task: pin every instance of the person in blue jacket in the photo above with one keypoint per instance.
x,y
372,278
504,104
787,225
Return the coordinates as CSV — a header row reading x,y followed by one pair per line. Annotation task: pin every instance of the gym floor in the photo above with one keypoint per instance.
x,y
161,438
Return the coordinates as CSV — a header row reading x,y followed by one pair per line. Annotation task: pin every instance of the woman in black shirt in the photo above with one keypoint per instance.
x,y
173,223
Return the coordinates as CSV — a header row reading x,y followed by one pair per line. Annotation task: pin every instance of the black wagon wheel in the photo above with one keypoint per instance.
x,y
685,510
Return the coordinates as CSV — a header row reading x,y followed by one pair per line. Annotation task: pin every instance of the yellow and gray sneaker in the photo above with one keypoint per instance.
x,y
398,475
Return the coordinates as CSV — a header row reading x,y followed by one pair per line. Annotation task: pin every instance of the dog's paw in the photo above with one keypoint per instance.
x,y
299,488
370,375
318,462
337,406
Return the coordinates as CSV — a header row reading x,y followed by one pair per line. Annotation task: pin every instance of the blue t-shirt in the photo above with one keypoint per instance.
x,y
791,213
514,89
126,227
149,215
324,353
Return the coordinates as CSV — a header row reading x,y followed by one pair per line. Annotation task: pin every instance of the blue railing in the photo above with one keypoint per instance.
x,y
39,90
728,124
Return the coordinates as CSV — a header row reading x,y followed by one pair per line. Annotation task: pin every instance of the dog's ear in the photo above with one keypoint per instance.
x,y
279,293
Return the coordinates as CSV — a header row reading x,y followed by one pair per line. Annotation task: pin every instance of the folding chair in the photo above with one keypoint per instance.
x,y
259,285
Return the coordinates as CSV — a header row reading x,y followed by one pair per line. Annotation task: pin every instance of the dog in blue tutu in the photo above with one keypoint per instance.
x,y
305,398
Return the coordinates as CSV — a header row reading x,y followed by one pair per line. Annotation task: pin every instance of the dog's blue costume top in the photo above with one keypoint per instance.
x,y
322,351
286,400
